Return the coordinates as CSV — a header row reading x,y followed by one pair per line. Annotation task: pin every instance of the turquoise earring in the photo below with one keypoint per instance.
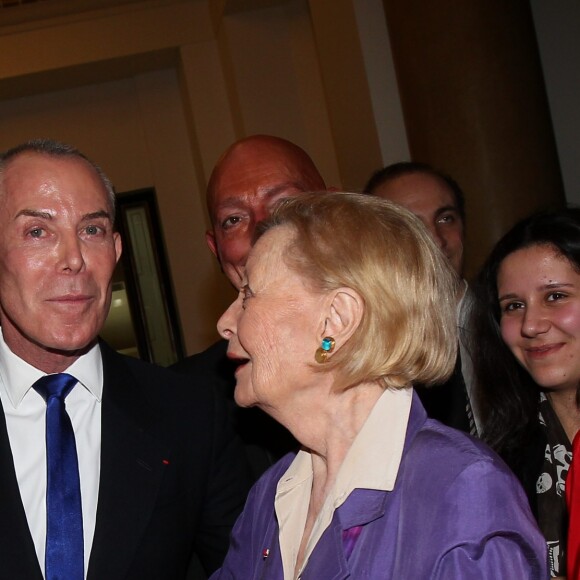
x,y
326,347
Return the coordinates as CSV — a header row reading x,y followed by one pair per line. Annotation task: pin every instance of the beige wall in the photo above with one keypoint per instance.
x,y
154,90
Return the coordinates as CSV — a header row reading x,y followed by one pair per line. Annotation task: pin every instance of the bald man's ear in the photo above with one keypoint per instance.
x,y
210,239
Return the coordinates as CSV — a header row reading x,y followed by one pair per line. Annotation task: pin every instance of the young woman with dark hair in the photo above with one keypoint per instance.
x,y
527,360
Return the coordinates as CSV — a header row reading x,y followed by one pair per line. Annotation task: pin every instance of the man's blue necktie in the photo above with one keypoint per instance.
x,y
64,530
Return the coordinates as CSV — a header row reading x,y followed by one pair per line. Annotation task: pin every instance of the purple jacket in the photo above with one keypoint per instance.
x,y
456,512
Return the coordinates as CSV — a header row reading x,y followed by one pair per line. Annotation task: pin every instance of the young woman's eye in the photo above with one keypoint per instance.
x,y
554,296
512,306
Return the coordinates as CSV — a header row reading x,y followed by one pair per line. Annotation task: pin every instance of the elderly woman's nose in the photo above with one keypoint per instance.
x,y
227,324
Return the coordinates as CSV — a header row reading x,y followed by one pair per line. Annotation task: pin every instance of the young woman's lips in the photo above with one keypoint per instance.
x,y
543,351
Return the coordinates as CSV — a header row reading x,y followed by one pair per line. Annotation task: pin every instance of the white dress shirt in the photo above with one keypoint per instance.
x,y
25,412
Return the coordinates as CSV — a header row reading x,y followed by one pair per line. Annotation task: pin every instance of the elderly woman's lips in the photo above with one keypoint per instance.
x,y
240,366
238,361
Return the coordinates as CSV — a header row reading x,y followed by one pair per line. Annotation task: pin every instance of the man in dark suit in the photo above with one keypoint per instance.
x,y
250,177
157,474
438,201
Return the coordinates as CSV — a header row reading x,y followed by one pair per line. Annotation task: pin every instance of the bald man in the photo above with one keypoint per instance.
x,y
250,177
437,200
247,181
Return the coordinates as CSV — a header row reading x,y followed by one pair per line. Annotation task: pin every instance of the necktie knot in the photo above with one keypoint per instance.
x,y
59,386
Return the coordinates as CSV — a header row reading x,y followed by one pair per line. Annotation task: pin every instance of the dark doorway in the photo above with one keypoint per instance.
x,y
143,318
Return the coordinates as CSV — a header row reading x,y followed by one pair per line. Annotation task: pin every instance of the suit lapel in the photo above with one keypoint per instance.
x,y
131,471
17,554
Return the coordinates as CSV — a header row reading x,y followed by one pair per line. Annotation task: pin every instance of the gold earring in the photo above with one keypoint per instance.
x,y
327,346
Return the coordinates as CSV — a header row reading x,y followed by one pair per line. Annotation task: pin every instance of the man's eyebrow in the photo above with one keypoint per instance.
x,y
96,215
34,213
445,209
269,192
48,216
231,201
288,185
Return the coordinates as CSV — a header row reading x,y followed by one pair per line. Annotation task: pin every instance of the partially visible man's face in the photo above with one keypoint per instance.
x,y
433,203
243,191
57,256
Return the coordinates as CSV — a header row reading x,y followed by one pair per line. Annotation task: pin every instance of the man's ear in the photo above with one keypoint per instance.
x,y
345,312
118,245
210,239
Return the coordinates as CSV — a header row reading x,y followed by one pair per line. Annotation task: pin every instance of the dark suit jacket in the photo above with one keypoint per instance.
x,y
171,480
447,401
264,439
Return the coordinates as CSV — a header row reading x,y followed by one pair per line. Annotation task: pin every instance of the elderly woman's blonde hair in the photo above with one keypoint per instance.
x,y
408,329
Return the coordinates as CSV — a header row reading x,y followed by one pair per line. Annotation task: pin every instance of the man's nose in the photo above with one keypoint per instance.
x,y
436,235
70,253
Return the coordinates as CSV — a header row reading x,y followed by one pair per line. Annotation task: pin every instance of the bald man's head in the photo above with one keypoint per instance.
x,y
247,181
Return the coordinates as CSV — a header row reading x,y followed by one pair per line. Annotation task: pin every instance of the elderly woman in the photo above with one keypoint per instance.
x,y
527,361
346,303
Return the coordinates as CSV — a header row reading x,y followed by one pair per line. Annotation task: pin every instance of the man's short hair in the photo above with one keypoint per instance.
x,y
395,170
53,148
